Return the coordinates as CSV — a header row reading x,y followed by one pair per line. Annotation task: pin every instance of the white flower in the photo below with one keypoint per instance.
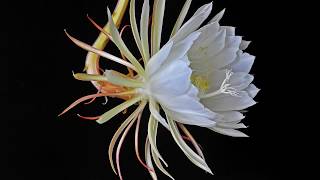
x,y
199,77
168,83
220,71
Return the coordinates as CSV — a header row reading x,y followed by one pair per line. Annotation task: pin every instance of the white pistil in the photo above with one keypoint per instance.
x,y
225,87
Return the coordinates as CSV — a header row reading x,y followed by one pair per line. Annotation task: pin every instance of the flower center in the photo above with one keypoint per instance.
x,y
201,82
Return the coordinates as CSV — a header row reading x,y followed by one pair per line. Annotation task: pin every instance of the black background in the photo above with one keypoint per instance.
x,y
41,145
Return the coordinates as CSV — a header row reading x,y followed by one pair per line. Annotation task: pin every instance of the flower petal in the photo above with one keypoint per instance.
x,y
226,102
214,49
134,27
243,63
228,54
194,22
171,80
158,59
229,132
121,45
244,44
231,125
240,80
252,90
144,22
171,52
100,52
209,33
230,117
159,165
181,17
116,110
187,109
149,160
231,31
155,113
156,26
192,156
181,48
152,136
192,118
122,127
117,78
218,16
215,79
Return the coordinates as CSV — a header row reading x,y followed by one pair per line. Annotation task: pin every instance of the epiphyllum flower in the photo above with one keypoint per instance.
x,y
220,70
199,77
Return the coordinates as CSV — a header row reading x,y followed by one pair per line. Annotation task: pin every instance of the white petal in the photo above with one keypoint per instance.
x,y
100,52
185,104
243,63
215,79
231,117
144,22
156,26
231,31
155,113
192,119
120,79
171,80
192,156
180,49
217,17
228,54
194,22
208,34
181,17
220,53
152,136
116,38
229,132
231,125
158,59
211,41
149,160
185,59
252,90
244,44
226,102
240,80
134,27
116,110
187,109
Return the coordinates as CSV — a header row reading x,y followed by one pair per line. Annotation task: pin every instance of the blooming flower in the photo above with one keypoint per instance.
x,y
220,71
199,77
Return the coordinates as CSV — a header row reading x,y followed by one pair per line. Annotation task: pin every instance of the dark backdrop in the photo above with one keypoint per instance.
x,y
41,145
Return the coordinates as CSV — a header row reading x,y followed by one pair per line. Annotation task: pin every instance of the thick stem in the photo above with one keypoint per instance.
x,y
92,59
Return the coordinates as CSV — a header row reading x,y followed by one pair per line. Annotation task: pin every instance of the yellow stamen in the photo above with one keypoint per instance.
x,y
201,82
